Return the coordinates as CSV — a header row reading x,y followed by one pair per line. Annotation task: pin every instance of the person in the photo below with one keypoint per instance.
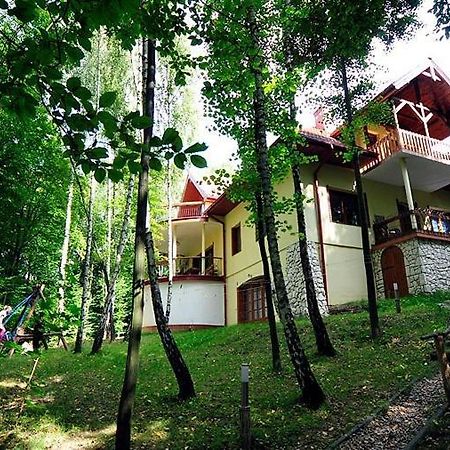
x,y
4,313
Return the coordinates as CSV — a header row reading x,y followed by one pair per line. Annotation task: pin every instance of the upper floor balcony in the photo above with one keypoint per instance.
x,y
406,141
189,210
428,160
192,267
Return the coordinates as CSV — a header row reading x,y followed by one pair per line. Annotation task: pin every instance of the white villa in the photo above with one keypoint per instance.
x,y
406,178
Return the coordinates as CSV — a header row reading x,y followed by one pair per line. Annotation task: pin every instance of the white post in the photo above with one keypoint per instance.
x,y
203,249
173,262
408,191
399,134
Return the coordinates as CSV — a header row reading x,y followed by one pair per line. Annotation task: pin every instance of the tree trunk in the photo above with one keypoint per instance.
x,y
179,367
276,360
123,432
106,319
169,240
323,342
86,270
108,250
65,248
312,394
362,211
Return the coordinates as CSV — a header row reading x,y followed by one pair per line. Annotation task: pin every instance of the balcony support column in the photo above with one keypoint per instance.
x,y
203,249
408,191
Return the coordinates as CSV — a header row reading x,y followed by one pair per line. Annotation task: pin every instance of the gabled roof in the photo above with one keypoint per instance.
x,y
193,191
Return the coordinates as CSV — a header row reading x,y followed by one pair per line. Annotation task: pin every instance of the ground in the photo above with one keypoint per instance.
x,y
72,402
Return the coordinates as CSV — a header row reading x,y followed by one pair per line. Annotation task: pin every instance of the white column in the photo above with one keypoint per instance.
x,y
408,190
203,248
174,250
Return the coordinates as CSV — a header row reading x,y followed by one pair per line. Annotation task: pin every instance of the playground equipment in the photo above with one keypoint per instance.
x,y
25,309
16,330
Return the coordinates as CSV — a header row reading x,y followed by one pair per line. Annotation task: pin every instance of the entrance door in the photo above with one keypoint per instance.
x,y
393,267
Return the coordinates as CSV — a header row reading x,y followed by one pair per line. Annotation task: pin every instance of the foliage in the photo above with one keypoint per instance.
x,y
360,380
33,182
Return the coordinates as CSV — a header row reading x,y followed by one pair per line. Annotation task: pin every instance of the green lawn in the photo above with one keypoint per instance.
x,y
73,399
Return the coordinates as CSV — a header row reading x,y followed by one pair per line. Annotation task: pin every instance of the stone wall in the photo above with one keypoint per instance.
x,y
427,265
295,282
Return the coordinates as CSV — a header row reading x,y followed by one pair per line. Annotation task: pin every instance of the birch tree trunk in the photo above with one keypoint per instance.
x,y
312,394
170,243
362,211
105,319
179,367
65,248
86,270
323,342
276,360
123,432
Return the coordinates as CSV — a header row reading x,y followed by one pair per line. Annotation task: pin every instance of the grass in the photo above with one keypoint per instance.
x,y
72,401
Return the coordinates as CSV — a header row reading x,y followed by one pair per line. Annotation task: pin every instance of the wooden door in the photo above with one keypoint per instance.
x,y
393,267
252,301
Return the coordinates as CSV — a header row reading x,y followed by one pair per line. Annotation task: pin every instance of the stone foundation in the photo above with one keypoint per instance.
x,y
295,282
427,264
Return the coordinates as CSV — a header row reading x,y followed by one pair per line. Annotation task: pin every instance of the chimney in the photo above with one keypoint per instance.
x,y
318,118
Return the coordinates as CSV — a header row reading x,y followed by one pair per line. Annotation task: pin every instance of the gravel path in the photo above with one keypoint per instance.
x,y
396,427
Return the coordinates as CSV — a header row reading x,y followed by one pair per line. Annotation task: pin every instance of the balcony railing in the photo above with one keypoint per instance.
x,y
193,266
426,221
188,210
412,142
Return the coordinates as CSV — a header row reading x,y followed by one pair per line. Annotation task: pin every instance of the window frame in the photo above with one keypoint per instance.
x,y
236,240
333,190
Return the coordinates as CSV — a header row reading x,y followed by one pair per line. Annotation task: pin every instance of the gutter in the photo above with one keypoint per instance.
x,y
320,229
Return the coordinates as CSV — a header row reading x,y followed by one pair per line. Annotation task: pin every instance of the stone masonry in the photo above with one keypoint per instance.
x,y
295,282
427,264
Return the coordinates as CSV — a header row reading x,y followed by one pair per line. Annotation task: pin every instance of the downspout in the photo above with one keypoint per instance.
x,y
224,269
319,228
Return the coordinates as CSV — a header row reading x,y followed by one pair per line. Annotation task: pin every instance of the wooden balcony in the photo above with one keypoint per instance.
x,y
188,210
193,267
408,142
423,222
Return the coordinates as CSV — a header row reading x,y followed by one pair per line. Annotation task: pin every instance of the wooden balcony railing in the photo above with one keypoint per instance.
x,y
427,221
404,140
188,210
193,266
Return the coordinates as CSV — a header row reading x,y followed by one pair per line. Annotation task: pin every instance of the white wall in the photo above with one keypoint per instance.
x,y
194,302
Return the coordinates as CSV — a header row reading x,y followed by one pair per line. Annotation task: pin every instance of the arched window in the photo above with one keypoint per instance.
x,y
252,300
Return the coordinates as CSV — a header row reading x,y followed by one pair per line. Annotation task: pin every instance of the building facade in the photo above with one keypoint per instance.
x,y
216,266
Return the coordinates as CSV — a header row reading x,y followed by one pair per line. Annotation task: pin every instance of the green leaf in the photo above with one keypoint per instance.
x,y
115,175
180,160
169,136
134,166
83,93
141,122
107,99
119,162
100,174
196,148
99,152
85,42
108,121
155,164
199,161
177,144
3,4
86,167
73,83
155,141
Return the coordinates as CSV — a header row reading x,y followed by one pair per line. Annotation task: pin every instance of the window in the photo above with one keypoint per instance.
x,y
252,301
344,207
236,243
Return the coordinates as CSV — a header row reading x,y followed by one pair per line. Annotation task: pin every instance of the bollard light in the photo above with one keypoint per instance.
x,y
246,439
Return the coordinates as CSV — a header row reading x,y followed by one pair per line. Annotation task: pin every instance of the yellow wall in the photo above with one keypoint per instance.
x,y
342,243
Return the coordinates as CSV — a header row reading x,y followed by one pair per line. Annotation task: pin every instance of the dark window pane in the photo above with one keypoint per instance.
x,y
236,239
344,208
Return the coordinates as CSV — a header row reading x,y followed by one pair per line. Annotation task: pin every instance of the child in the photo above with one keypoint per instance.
x,y
4,313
